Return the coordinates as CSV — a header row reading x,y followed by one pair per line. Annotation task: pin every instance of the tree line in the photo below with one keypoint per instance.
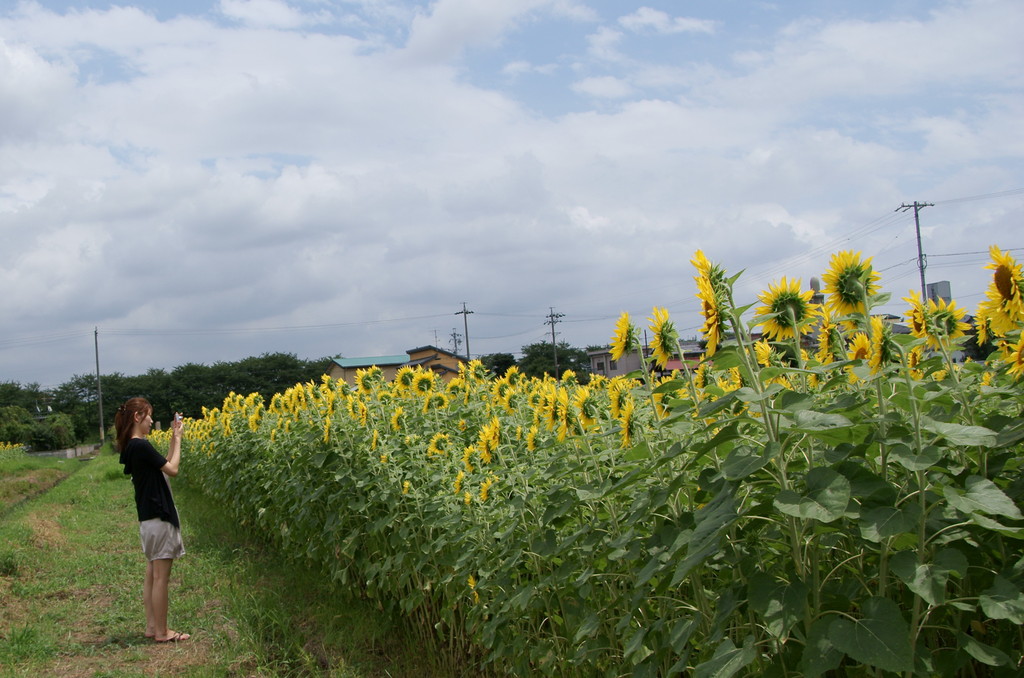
x,y
50,419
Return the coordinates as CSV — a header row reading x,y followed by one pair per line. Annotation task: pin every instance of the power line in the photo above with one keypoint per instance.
x,y
984,196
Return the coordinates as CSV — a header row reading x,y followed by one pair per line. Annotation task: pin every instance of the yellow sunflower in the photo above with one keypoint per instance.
x,y
786,310
883,348
1004,306
404,377
586,406
713,292
665,341
626,339
860,347
763,352
714,321
627,422
848,282
1015,358
830,341
913,362
439,443
939,322
424,382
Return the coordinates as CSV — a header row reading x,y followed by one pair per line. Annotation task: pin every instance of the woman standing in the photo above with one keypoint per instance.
x,y
159,527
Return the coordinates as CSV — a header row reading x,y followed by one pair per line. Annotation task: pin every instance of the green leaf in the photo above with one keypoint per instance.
x,y
958,434
588,627
635,649
986,654
996,526
710,522
1003,600
779,603
727,660
727,357
744,461
831,428
680,634
828,494
888,521
982,496
925,579
819,655
881,638
910,460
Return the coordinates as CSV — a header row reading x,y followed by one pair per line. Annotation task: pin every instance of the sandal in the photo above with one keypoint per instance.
x,y
176,638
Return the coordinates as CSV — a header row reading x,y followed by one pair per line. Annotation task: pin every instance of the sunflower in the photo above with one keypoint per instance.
x,y
939,322
1015,357
368,378
424,382
729,380
626,339
627,422
485,487
439,443
860,347
404,377
913,362
665,343
763,352
787,310
848,282
713,292
531,438
883,348
586,406
713,328
1004,306
830,340
397,418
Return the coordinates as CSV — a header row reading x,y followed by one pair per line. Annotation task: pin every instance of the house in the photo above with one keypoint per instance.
x,y
601,360
444,363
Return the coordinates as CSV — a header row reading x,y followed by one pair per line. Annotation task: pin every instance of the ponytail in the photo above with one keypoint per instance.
x,y
124,420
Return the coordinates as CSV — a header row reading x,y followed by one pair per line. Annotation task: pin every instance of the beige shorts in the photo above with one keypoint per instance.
x,y
160,540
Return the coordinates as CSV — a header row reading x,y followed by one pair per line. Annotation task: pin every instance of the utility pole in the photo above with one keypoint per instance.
x,y
99,386
465,326
456,340
922,262
552,320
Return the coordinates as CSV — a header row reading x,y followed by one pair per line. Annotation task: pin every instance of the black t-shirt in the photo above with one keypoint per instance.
x,y
153,497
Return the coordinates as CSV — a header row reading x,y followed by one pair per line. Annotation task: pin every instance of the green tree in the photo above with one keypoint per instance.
x,y
539,359
16,425
498,363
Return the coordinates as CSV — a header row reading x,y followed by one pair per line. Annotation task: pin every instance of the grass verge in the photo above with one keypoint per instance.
x,y
70,597
22,477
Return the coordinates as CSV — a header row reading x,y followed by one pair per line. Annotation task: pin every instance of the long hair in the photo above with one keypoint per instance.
x,y
124,420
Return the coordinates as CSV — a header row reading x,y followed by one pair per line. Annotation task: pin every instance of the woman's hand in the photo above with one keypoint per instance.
x,y
177,425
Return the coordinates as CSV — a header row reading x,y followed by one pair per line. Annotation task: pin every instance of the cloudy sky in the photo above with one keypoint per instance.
x,y
206,180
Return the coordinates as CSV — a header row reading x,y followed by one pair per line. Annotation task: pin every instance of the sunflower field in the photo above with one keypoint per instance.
x,y
820,496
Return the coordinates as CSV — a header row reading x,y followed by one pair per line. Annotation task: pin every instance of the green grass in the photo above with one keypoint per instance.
x,y
22,476
71,573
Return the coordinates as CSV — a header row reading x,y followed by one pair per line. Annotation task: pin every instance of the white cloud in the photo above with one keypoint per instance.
x,y
270,14
450,26
646,19
248,175
606,87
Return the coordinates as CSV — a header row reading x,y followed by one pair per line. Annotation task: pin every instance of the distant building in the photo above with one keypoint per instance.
x,y
939,291
444,363
601,360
